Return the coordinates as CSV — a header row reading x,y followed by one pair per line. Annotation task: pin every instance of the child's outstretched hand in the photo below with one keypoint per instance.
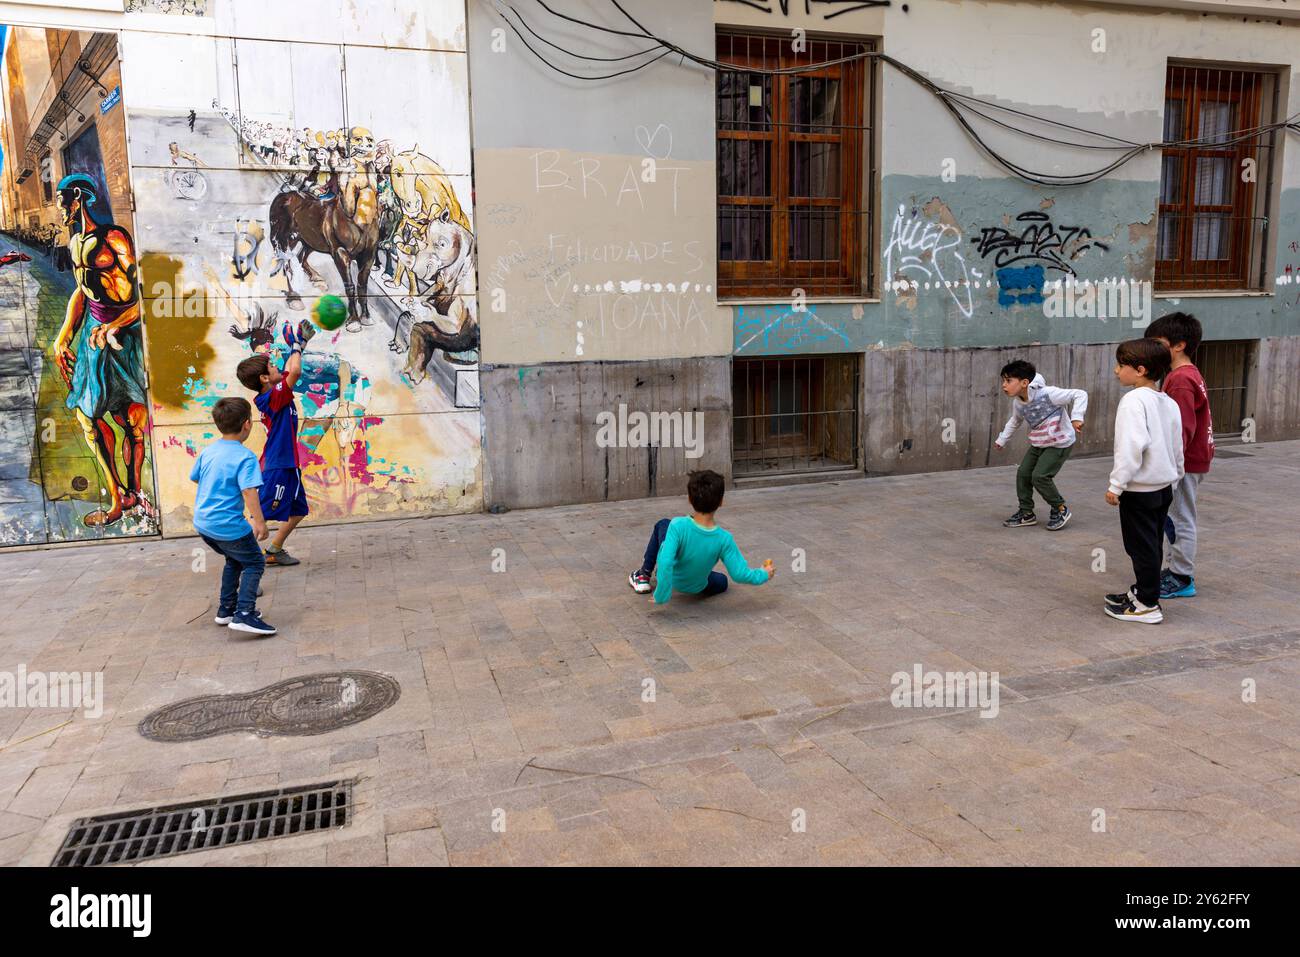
x,y
770,567
289,336
306,329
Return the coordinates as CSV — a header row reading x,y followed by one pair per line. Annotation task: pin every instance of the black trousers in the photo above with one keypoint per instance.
x,y
1142,522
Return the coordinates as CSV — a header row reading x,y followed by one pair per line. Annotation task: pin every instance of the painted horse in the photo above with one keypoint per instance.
x,y
344,224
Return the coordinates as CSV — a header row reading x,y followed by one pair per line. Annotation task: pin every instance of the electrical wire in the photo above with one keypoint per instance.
x,y
558,69
955,103
580,56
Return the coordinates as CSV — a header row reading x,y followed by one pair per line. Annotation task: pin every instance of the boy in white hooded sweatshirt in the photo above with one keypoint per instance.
x,y
1052,434
1148,461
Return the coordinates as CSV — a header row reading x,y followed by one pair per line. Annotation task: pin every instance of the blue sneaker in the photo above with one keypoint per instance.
x,y
224,616
252,623
1177,586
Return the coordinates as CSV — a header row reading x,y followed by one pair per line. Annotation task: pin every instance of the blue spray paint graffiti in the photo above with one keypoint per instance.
x,y
1020,286
769,330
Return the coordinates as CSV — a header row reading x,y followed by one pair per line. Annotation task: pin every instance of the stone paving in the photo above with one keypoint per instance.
x,y
522,735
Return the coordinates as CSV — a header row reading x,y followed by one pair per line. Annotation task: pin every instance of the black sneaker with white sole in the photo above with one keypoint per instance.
x,y
1021,517
1121,598
252,623
1131,610
226,615
1056,521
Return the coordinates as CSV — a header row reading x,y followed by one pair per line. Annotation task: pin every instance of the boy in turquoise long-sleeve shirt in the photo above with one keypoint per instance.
x,y
686,549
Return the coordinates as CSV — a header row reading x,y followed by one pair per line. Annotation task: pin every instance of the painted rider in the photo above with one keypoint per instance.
x,y
100,348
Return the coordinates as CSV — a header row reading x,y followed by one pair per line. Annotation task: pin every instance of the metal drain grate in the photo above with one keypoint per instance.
x,y
201,825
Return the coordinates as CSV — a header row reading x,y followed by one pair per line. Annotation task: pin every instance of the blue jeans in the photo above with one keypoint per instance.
x,y
242,574
717,581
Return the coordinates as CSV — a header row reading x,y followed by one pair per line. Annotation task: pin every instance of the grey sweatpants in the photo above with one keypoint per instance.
x,y
1181,554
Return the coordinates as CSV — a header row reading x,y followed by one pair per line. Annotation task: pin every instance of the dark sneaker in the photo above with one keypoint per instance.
x,y
252,623
224,616
640,581
1020,518
1119,599
1129,611
280,557
1058,518
1177,586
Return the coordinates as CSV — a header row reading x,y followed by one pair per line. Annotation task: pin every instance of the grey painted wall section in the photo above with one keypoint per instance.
x,y
541,423
519,102
911,392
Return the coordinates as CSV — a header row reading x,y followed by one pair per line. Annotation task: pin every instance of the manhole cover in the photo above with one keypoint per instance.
x,y
131,836
312,704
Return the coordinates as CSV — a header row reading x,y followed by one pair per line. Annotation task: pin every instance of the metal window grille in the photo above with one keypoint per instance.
x,y
1213,223
793,151
1225,366
797,414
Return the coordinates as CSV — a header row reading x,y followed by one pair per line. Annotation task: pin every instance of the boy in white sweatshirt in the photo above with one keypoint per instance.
x,y
1051,438
1148,461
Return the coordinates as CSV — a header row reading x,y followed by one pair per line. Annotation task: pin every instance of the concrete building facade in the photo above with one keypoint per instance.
x,y
606,244
952,262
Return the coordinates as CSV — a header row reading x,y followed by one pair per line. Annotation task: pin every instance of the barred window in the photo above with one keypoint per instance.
x,y
791,154
1213,190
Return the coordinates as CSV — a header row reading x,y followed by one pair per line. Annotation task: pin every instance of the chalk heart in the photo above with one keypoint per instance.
x,y
559,284
648,141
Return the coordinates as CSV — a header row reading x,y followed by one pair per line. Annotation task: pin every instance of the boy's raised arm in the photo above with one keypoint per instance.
x,y
297,341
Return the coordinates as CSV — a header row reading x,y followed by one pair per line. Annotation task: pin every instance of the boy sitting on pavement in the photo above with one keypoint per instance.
x,y
687,548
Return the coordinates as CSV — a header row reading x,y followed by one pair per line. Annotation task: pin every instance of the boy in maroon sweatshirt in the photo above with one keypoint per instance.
x,y
1182,334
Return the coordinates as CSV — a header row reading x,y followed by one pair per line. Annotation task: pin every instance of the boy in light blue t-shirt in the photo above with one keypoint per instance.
x,y
687,548
228,478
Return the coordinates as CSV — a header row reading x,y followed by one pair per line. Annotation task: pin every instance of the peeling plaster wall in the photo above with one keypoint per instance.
x,y
943,232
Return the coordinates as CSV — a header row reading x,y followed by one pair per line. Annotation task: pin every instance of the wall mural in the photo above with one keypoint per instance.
x,y
74,413
249,217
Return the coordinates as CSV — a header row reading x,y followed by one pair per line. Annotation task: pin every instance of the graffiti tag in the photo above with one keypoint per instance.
x,y
1038,241
932,250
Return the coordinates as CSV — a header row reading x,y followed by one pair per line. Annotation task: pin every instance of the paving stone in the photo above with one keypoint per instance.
x,y
522,691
